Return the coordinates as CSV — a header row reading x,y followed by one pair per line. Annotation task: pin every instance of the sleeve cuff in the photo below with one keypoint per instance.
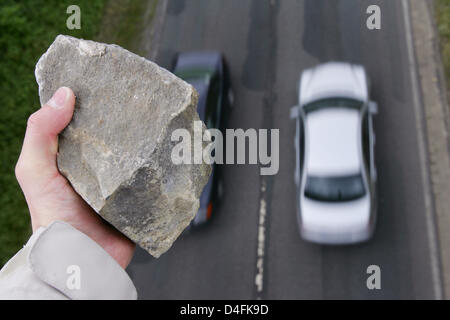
x,y
77,266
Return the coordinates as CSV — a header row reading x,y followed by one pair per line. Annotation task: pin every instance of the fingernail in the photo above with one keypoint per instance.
x,y
59,98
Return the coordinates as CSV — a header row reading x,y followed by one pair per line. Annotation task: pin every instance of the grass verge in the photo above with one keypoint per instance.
x,y
27,28
124,23
443,22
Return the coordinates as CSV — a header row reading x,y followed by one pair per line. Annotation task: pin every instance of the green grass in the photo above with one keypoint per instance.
x,y
124,22
27,28
443,20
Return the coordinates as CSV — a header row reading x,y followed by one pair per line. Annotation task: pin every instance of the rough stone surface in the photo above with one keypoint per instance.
x,y
116,151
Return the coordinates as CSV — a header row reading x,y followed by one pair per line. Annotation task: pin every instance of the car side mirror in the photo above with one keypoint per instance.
x,y
294,112
373,107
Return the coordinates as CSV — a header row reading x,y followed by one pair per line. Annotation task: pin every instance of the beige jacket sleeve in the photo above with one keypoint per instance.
x,y
60,262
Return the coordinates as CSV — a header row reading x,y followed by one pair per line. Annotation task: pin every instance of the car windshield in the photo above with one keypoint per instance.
x,y
194,73
335,189
333,102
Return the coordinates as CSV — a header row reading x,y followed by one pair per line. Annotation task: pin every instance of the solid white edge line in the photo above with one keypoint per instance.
x,y
260,254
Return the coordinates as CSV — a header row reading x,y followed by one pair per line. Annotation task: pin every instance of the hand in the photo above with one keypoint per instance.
x,y
49,195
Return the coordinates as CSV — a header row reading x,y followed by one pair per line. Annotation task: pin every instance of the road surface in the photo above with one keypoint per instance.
x,y
267,43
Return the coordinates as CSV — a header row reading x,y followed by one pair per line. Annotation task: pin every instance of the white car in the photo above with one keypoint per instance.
x,y
334,146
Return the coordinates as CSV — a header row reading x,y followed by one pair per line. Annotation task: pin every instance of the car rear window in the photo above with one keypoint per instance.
x,y
335,189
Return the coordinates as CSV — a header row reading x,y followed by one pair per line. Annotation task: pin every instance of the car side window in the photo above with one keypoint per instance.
x,y
302,143
366,140
212,102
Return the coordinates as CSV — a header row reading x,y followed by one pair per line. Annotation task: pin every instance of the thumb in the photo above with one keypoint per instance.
x,y
37,161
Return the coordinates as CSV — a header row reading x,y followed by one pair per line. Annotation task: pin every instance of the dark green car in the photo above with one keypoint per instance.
x,y
207,72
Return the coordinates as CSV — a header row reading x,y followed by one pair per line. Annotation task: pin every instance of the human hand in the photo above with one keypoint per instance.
x,y
49,195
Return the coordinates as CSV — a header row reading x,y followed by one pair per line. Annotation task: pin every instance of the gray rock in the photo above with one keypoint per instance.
x,y
116,151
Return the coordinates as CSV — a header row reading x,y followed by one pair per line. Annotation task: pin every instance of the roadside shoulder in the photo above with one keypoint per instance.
x,y
436,120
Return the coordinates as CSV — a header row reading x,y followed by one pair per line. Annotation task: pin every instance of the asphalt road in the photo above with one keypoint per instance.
x,y
267,44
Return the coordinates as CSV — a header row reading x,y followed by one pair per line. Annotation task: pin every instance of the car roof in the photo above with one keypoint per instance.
x,y
333,141
196,68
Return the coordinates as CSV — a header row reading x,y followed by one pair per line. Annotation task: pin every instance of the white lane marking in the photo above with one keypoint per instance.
x,y
430,223
259,278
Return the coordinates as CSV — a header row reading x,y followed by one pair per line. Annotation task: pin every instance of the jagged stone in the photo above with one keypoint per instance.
x,y
116,151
